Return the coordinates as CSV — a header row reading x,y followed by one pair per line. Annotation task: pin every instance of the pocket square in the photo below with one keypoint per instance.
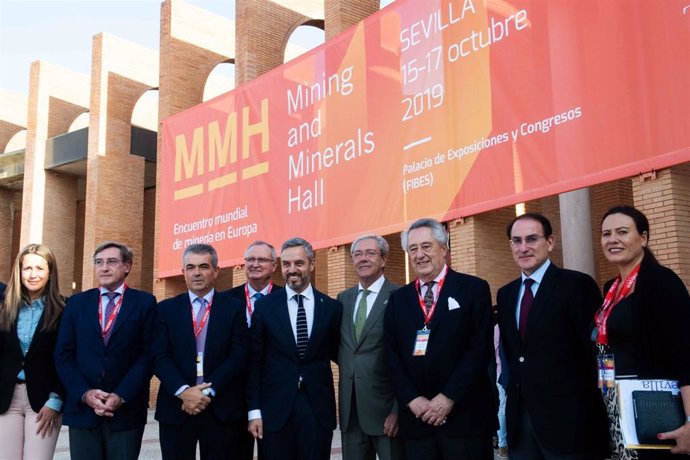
x,y
453,304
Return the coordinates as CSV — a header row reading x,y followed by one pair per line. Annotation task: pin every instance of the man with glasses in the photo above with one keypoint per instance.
x,y
102,357
554,410
368,411
439,343
260,260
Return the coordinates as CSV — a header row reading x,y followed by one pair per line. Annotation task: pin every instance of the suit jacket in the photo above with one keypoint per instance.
x,y
553,372
661,314
457,358
2,289
275,366
225,357
38,364
363,364
123,366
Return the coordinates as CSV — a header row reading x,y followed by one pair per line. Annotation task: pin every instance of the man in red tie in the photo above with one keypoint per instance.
x,y
103,360
554,410
438,337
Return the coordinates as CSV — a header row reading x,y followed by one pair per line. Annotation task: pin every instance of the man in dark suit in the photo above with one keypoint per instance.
x,y
200,357
368,411
553,410
438,335
102,357
294,335
260,260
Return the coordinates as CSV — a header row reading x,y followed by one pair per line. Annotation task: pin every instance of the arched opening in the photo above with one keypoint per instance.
x,y
303,39
16,142
385,3
220,80
145,113
82,121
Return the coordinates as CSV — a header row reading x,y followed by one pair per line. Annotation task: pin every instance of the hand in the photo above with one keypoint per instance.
x,y
47,420
390,425
256,428
682,438
418,406
193,401
96,399
438,411
113,402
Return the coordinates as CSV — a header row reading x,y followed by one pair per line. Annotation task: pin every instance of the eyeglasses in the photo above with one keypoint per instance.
x,y
108,262
369,254
529,240
260,260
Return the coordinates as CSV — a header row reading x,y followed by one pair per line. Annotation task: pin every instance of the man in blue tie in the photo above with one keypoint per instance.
x,y
260,260
102,357
294,335
200,356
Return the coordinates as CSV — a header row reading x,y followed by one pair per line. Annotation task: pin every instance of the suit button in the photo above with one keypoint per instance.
x,y
521,359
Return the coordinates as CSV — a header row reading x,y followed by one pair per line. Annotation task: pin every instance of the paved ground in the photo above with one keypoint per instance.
x,y
150,449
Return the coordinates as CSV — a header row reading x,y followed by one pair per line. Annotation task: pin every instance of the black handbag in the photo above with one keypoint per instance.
x,y
657,412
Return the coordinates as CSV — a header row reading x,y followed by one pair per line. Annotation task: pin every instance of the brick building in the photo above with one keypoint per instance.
x,y
72,189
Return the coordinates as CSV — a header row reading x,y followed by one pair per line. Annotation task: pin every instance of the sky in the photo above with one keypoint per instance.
x,y
61,31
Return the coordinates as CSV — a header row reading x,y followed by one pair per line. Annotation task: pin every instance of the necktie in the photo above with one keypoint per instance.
x,y
302,331
109,311
526,306
258,295
361,315
429,296
201,337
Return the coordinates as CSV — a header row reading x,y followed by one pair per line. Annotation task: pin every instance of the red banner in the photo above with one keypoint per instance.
x,y
429,108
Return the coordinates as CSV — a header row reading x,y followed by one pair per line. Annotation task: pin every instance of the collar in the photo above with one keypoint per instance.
x,y
308,293
375,286
538,274
252,291
208,296
120,289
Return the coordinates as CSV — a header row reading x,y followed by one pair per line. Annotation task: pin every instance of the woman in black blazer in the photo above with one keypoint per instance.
x,y
645,319
30,392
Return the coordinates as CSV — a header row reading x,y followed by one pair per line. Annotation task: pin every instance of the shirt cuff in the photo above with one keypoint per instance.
x,y
180,390
254,414
54,402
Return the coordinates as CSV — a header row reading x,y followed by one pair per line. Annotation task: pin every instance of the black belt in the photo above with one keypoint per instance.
x,y
19,382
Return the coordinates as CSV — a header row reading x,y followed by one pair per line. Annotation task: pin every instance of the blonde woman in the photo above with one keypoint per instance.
x,y
30,401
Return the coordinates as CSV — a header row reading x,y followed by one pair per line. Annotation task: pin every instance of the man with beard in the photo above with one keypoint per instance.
x,y
294,335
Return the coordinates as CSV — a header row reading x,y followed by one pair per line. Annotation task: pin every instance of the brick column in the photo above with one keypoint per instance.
x,y
261,48
664,197
193,42
342,14
114,207
56,97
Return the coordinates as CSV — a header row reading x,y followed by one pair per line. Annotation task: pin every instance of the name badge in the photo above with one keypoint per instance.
x,y
606,365
200,364
421,342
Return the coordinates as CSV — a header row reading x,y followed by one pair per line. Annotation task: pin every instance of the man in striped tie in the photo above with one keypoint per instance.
x,y
294,335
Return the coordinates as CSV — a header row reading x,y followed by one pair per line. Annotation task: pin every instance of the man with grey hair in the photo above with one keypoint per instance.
x,y
368,410
294,335
102,356
439,344
200,357
260,261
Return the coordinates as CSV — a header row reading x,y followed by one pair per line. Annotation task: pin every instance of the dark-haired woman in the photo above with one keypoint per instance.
x,y
645,319
30,401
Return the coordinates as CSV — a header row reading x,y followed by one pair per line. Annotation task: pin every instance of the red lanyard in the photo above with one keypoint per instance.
x,y
202,323
249,299
111,319
610,301
428,315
